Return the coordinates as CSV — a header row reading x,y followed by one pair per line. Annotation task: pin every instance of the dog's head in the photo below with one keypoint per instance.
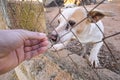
x,y
69,23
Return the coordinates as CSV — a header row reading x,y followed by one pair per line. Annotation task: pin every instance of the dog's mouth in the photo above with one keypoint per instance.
x,y
53,38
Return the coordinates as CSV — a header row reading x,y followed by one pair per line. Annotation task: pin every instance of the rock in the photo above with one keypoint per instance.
x,y
9,76
79,68
62,66
41,68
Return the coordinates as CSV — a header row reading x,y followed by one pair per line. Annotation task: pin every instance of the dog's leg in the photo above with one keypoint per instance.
x,y
84,48
59,46
93,54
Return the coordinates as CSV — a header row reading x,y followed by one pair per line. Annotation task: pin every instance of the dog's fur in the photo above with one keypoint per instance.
x,y
88,31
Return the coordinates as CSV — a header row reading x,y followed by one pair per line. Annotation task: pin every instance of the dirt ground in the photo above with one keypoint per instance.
x,y
109,59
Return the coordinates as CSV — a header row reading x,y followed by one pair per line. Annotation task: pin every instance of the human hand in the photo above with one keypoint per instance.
x,y
19,45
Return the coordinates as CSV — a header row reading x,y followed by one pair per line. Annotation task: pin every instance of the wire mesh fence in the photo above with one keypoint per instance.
x,y
83,4
28,14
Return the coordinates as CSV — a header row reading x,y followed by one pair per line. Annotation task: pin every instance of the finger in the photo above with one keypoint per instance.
x,y
35,35
45,43
31,42
27,49
44,39
39,51
34,42
29,55
31,48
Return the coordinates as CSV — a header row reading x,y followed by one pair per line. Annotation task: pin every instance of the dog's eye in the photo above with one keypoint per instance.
x,y
70,24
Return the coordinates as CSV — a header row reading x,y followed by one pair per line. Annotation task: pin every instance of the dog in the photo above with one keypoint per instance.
x,y
88,31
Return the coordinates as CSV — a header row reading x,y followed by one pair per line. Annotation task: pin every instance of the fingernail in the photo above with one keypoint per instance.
x,y
42,34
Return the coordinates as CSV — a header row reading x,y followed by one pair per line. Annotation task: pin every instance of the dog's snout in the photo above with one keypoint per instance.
x,y
53,37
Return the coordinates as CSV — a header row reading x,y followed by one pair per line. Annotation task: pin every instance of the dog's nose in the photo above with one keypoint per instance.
x,y
53,37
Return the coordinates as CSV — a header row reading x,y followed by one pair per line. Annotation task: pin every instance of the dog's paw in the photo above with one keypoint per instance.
x,y
52,49
57,47
94,61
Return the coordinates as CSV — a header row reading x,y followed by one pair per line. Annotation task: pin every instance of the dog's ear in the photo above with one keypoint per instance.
x,y
94,16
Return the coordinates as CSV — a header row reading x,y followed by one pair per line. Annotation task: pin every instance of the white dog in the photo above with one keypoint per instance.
x,y
88,31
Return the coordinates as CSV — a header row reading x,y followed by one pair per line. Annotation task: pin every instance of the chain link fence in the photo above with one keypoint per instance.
x,y
29,15
83,4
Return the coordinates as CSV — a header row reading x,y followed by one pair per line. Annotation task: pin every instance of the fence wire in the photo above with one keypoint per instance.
x,y
83,4
21,16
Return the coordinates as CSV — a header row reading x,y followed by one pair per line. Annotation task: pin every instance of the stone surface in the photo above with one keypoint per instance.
x,y
62,66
